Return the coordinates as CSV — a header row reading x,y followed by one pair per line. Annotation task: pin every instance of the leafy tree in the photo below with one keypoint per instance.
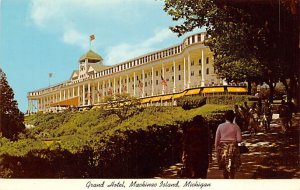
x,y
11,119
123,105
251,41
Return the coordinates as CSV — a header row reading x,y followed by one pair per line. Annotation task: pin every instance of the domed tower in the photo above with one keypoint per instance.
x,y
89,59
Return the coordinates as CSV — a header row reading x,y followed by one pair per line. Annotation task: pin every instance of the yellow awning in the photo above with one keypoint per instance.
x,y
192,92
237,89
179,95
213,90
66,103
145,100
155,99
168,97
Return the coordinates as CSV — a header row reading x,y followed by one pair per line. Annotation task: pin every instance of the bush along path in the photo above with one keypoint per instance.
x,y
271,156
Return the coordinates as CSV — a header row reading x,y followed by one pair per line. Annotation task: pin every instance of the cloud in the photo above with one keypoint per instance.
x,y
124,51
74,37
74,19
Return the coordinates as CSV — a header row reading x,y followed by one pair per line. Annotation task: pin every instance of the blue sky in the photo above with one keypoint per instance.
x,y
38,37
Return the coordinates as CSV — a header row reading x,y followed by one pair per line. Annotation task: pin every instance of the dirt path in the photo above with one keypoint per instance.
x,y
271,156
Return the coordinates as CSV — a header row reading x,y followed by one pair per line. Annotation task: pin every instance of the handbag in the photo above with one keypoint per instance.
x,y
183,172
243,149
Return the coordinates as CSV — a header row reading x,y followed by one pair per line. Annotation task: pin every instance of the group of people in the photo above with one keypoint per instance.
x,y
197,145
253,118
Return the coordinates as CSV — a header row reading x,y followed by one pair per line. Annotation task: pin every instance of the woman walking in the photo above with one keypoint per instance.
x,y
228,135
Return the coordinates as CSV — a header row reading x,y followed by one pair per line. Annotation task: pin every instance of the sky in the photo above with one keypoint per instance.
x,y
38,37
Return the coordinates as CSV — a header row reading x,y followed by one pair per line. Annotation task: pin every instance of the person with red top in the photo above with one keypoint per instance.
x,y
228,135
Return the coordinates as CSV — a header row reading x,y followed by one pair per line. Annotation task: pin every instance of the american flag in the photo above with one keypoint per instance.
x,y
163,81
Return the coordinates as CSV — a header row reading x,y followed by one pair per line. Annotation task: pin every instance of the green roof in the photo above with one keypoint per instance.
x,y
90,55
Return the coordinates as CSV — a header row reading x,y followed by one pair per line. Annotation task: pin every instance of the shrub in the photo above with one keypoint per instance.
x,y
190,102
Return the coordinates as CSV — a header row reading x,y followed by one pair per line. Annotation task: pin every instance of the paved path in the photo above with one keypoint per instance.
x,y
271,156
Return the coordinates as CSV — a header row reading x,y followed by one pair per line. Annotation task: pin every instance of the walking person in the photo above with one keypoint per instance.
x,y
284,115
253,119
196,148
228,135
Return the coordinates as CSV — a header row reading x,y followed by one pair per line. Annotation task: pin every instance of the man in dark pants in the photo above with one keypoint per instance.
x,y
196,148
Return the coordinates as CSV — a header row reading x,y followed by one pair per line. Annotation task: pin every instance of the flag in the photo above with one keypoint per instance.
x,y
98,93
140,85
50,75
109,91
92,37
163,81
124,88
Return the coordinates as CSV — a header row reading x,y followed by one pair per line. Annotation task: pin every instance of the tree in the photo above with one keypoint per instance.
x,y
123,105
11,118
251,40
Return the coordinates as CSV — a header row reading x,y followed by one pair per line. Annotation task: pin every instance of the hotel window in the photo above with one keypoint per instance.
x,y
179,77
137,77
132,79
145,75
128,79
199,72
178,67
207,71
192,63
172,78
111,84
156,82
200,61
167,69
207,60
192,73
172,68
156,73
145,84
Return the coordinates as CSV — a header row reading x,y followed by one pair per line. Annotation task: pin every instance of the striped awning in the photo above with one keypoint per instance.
x,y
237,89
155,99
213,90
193,92
168,97
179,95
145,100
66,103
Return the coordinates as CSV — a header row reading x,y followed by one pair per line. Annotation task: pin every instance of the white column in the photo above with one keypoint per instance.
x,y
103,83
133,83
60,96
73,92
114,85
184,73
78,94
174,74
163,75
202,68
83,95
189,72
89,94
127,84
98,91
143,93
152,83
64,94
68,95
121,86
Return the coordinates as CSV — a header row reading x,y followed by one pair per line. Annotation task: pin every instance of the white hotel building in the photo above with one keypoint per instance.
x,y
186,69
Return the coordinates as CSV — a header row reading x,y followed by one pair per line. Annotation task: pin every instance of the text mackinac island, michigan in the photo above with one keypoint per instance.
x,y
138,184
